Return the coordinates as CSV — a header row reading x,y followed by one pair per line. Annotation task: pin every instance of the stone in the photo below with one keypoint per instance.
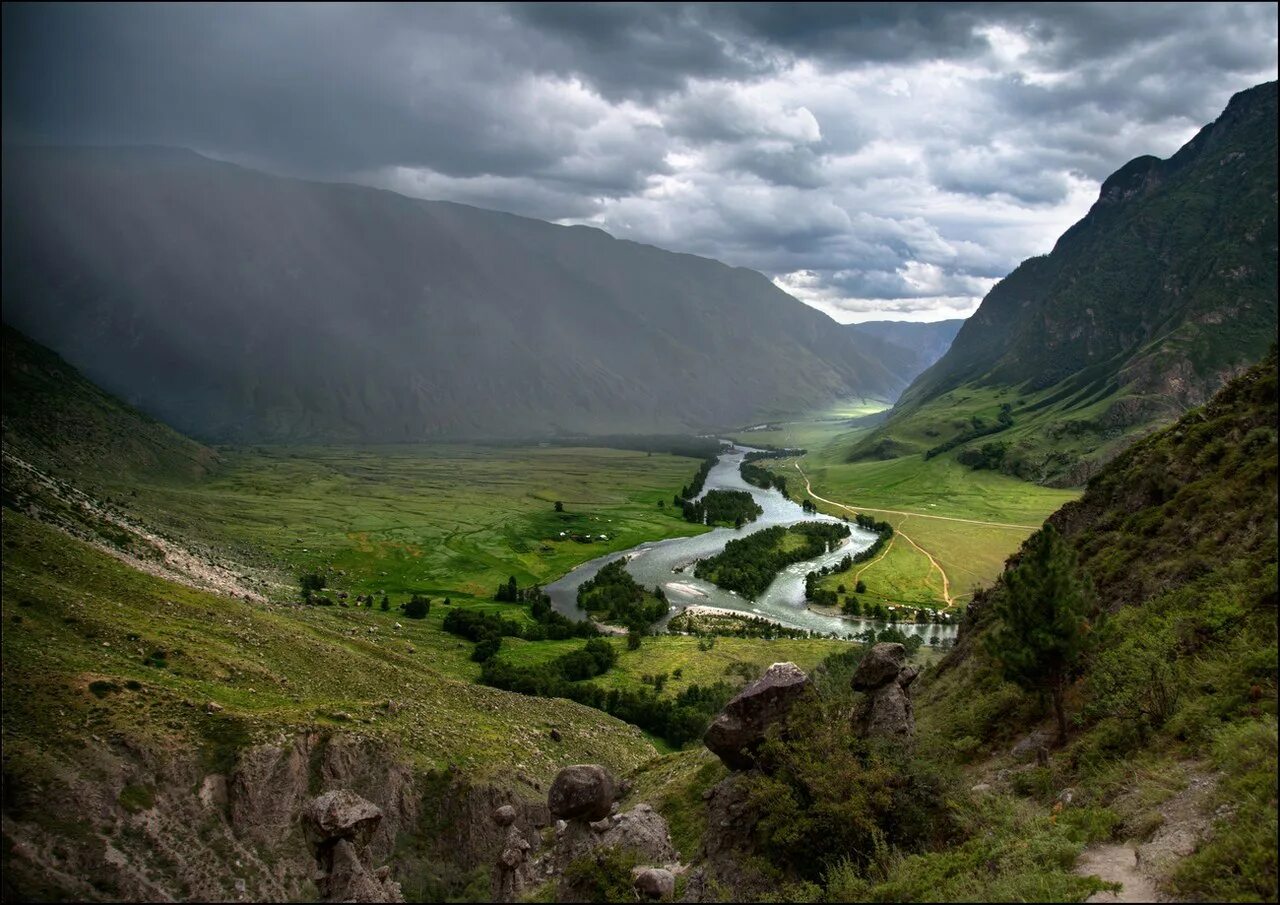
x,y
341,814
879,665
655,883
884,677
504,815
213,707
740,728
582,792
555,735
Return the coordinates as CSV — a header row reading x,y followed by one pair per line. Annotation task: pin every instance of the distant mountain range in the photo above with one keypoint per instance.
x,y
239,306
1145,308
923,343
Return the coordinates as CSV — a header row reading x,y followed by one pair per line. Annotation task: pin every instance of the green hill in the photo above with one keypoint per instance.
x,y
53,417
1163,292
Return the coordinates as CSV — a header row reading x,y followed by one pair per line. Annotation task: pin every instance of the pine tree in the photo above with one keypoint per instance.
x,y
1041,606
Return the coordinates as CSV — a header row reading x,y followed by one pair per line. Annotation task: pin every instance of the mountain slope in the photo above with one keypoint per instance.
x,y
1143,309
1176,687
241,306
923,344
54,417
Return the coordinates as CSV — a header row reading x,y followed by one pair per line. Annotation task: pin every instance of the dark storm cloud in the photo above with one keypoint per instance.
x,y
870,157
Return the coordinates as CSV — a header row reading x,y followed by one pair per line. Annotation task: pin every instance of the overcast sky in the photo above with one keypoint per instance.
x,y
877,161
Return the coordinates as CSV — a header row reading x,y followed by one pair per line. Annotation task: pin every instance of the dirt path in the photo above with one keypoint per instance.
x,y
1117,864
944,518
933,563
888,547
1142,866
946,583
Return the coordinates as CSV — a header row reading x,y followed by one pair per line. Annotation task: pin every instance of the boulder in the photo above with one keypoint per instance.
x,y
339,825
582,792
884,677
340,814
505,815
655,883
740,728
879,665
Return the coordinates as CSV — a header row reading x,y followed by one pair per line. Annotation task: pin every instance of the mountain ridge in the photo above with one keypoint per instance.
x,y
1144,308
242,306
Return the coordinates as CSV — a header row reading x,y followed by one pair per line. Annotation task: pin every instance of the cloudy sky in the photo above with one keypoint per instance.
x,y
877,161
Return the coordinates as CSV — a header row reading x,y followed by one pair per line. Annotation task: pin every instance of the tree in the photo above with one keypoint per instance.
x,y
860,587
386,603
311,581
417,607
633,639
559,506
1041,606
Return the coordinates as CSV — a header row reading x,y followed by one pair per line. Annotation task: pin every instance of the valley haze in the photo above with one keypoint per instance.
x,y
585,452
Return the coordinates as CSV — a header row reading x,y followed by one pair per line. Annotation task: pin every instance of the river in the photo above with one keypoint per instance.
x,y
669,564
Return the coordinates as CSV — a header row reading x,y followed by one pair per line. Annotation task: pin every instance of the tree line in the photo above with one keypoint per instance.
x,y
722,507
749,564
616,598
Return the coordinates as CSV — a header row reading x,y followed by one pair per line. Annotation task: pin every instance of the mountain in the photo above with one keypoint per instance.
x,y
1163,292
1177,675
55,418
922,344
241,306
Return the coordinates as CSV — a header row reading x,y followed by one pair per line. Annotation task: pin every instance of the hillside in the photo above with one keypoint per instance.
x,y
52,416
923,344
1173,700
1165,781
239,306
1144,308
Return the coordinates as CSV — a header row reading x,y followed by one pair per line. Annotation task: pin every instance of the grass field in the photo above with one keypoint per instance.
x,y
440,520
992,513
664,654
82,632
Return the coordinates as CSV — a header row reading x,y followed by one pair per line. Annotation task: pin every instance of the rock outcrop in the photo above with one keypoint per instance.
x,y
655,883
737,732
884,678
339,826
582,792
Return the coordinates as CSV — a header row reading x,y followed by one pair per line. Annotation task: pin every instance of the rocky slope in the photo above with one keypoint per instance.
x,y
1145,308
240,306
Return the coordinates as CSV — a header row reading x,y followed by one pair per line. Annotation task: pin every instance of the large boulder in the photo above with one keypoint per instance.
x,y
340,814
884,678
655,883
879,665
737,732
339,825
582,792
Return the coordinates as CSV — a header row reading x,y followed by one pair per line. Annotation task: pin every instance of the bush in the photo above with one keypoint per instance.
x,y
417,607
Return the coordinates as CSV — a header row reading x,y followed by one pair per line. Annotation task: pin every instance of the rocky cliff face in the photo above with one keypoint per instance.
x,y
157,824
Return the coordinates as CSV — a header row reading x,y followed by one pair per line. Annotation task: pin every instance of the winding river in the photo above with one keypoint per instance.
x,y
669,564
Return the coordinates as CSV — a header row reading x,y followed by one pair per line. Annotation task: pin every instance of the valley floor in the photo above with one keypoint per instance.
x,y
954,526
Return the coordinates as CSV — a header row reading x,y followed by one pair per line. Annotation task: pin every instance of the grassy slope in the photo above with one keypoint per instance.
x,y
1179,537
73,616
54,416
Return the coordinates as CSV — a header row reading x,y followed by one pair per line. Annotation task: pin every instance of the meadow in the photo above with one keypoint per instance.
x,y
441,520
968,522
